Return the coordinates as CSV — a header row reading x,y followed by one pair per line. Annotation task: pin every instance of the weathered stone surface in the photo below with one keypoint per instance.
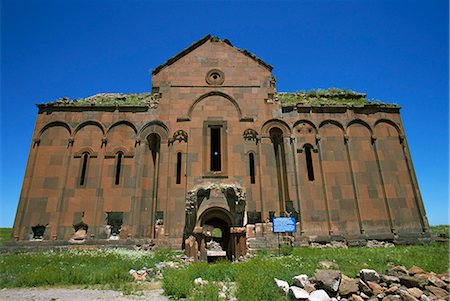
x,y
392,298
415,270
298,293
369,275
415,292
406,296
356,298
436,281
409,281
300,280
424,298
363,287
397,271
392,289
437,291
328,280
282,285
389,279
348,286
375,287
310,287
319,295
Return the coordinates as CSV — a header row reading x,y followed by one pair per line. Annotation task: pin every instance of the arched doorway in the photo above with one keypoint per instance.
x,y
215,221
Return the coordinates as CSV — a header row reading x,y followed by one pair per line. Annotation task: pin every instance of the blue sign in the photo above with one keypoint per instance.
x,y
284,224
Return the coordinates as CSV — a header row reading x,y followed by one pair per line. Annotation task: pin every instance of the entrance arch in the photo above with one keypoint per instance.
x,y
218,218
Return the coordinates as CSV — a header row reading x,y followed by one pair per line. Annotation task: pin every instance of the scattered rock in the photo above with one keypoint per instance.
x,y
357,298
392,298
364,288
415,292
406,296
319,295
424,298
348,286
437,291
282,285
300,280
298,293
369,275
200,282
398,270
415,270
389,279
392,289
436,281
379,244
409,281
309,287
140,275
328,280
375,287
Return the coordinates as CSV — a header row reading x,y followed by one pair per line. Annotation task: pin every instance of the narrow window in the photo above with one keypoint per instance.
x,y
178,168
309,164
85,158
215,149
251,160
118,167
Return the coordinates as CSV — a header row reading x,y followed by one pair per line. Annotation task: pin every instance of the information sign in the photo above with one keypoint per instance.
x,y
284,224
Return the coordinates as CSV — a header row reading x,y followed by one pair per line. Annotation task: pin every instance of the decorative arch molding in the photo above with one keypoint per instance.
x,y
250,135
361,122
122,122
90,122
388,121
155,126
284,127
126,152
215,93
307,122
179,136
53,124
79,153
215,212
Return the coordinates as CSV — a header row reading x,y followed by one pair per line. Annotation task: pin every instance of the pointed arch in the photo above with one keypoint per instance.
x,y
334,122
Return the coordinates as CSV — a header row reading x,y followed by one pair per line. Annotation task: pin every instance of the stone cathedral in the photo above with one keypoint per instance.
x,y
213,148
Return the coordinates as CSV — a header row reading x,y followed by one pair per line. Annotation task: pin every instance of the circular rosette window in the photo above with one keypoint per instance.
x,y
215,77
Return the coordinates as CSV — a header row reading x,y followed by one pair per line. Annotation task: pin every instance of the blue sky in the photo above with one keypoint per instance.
x,y
395,51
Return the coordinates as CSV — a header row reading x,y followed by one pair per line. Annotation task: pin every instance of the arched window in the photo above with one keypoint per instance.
x,y
84,162
118,167
251,162
309,163
178,168
154,143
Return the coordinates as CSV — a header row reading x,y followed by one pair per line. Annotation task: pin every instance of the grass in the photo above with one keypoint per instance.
x,y
106,99
106,269
254,278
441,230
331,96
5,234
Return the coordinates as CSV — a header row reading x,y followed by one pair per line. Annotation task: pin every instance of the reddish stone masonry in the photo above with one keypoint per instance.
x,y
213,146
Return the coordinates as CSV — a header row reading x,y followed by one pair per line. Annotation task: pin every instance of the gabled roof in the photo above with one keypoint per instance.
x,y
202,41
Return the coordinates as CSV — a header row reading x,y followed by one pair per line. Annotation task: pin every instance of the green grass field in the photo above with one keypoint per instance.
x,y
108,269
5,234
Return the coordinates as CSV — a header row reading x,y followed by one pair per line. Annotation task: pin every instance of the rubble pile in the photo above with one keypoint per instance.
x,y
397,284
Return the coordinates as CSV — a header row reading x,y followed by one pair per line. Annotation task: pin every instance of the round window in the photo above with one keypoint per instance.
x,y
215,77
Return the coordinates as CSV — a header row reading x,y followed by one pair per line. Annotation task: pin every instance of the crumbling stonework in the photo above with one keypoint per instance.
x,y
214,144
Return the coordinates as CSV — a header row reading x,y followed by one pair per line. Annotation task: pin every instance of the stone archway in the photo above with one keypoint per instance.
x,y
221,206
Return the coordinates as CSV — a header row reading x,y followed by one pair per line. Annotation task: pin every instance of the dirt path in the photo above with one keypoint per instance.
x,y
62,294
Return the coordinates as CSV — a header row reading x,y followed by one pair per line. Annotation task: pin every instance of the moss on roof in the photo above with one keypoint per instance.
x,y
331,96
106,99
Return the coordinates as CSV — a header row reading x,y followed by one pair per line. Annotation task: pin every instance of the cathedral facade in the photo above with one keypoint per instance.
x,y
215,146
